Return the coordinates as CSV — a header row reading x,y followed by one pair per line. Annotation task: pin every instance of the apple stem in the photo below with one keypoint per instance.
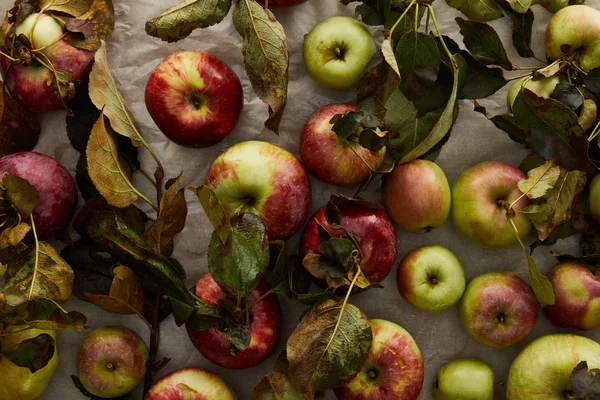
x,y
154,341
594,132
37,258
412,3
514,78
417,17
441,37
15,60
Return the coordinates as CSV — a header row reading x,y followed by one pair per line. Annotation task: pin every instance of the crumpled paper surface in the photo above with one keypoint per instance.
x,y
132,57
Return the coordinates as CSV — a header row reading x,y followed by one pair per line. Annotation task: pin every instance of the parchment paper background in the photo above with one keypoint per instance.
x,y
133,55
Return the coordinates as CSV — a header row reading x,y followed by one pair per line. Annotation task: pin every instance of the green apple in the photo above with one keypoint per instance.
x,y
543,369
337,51
19,383
542,87
464,379
43,30
594,202
431,278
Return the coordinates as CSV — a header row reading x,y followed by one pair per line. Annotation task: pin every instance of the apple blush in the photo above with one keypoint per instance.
x,y
190,384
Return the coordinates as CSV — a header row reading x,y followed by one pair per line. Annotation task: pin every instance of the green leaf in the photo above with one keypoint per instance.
x,y
537,212
33,354
504,122
340,252
179,21
542,288
418,60
539,180
274,386
480,81
22,195
239,336
348,125
373,140
520,6
484,43
289,278
379,80
214,211
479,10
585,382
266,56
522,30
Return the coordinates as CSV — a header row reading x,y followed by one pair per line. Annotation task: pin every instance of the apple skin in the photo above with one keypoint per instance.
x,y
194,98
542,370
374,230
208,385
431,278
577,292
498,309
264,329
337,51
476,211
393,370
577,28
417,196
19,383
57,190
464,379
594,202
111,361
266,180
330,159
542,87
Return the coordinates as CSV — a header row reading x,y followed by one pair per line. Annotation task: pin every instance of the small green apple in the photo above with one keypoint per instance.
x,y
42,29
464,379
542,87
594,202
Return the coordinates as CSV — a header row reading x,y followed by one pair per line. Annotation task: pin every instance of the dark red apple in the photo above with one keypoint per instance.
x,y
265,327
57,190
190,384
194,98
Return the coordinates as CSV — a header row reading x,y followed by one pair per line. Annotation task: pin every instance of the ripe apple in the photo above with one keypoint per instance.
x,y
18,383
337,51
33,85
417,196
373,229
464,379
265,327
266,180
498,309
542,87
57,190
595,199
111,361
190,384
431,278
480,198
576,287
543,369
573,32
194,98
393,370
330,158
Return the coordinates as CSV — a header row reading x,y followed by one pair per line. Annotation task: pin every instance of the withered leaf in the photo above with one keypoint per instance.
x,y
33,354
126,295
585,382
12,236
100,24
71,7
21,194
85,27
214,211
539,180
275,385
19,130
45,314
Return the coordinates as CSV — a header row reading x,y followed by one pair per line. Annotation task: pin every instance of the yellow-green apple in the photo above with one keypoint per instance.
x,y
56,188
18,383
481,197
417,196
498,309
330,158
393,370
111,361
594,201
265,327
337,51
431,278
541,86
32,84
576,287
542,370
464,379
190,384
264,179
574,33
194,98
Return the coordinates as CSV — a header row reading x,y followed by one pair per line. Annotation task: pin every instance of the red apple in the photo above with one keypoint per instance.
x,y
577,289
194,98
261,178
57,190
393,370
373,228
264,328
330,158
190,384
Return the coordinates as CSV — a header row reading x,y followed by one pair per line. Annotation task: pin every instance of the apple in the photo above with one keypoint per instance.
x,y
431,278
464,379
543,369
393,370
498,309
480,198
32,84
330,158
57,190
417,196
576,287
594,202
337,51
373,229
266,180
194,98
542,87
190,384
18,383
111,361
265,327
573,33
